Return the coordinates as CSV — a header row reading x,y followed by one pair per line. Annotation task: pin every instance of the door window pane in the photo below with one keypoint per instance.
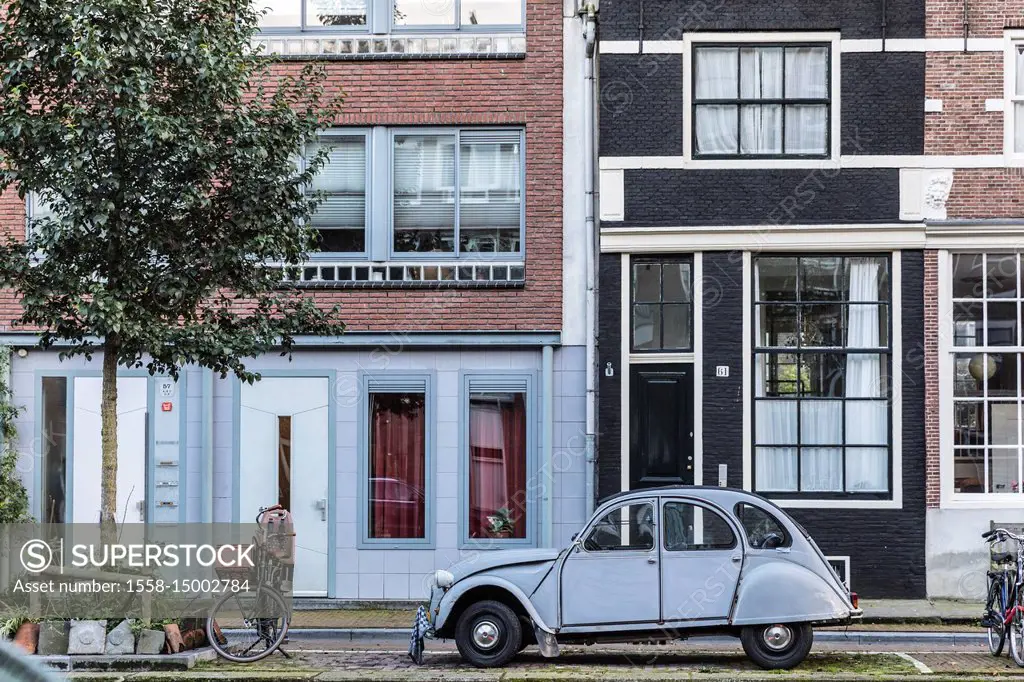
x,y
689,527
497,465
626,528
424,193
284,461
398,456
54,446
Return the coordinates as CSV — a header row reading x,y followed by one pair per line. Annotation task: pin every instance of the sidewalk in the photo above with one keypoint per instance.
x,y
400,614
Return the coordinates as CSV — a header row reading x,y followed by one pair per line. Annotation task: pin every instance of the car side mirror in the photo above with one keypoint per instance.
x,y
771,541
574,536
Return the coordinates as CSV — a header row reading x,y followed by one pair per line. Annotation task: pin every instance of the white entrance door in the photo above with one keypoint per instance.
x,y
86,462
284,440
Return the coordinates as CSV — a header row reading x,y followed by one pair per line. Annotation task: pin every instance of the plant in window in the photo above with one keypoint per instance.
x,y
500,524
171,177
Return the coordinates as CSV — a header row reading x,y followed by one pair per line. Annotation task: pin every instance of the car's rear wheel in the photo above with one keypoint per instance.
x,y
777,646
488,634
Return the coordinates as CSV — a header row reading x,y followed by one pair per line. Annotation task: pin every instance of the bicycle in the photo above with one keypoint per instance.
x,y
1004,607
247,626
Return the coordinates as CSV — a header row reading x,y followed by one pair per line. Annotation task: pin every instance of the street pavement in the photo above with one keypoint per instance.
x,y
331,660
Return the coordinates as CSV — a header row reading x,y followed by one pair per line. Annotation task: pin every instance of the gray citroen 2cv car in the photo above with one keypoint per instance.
x,y
651,565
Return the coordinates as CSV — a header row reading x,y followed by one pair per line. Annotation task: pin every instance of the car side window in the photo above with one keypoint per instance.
x,y
759,525
626,528
690,527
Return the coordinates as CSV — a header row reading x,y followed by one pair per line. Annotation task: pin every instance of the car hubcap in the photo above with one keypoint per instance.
x,y
485,634
778,637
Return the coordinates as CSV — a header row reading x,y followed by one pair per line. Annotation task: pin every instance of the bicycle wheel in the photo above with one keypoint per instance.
x,y
996,631
1016,629
247,626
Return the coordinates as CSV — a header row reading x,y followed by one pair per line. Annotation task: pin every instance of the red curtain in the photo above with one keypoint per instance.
x,y
398,459
497,463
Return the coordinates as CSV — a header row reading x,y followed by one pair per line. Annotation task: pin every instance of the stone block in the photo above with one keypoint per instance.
x,y
150,643
53,638
120,640
87,637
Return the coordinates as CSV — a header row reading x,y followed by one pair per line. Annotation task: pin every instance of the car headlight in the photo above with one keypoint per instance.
x,y
443,579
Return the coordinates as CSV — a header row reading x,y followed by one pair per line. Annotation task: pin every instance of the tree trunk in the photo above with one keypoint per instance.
x,y
108,433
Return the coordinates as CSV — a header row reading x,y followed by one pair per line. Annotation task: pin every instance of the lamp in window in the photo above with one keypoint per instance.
x,y
982,367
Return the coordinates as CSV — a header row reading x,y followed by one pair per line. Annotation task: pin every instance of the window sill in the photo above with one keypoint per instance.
x,y
409,275
394,47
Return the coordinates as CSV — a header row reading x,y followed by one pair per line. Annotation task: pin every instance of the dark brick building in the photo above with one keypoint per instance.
x,y
763,211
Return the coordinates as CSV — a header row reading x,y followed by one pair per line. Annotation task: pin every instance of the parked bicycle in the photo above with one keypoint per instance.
x,y
1004,608
249,625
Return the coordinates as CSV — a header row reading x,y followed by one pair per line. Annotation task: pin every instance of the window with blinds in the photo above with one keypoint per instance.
x,y
340,220
458,193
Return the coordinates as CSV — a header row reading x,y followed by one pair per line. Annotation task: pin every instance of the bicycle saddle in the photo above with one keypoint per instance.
x,y
1003,558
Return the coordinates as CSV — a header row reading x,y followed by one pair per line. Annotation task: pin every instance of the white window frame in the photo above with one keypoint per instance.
x,y
1012,40
831,39
948,497
896,414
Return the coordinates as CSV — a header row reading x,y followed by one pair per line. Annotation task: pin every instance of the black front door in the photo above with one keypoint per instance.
x,y
661,425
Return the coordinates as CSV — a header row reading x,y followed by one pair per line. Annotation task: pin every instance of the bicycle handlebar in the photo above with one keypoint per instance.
x,y
1000,534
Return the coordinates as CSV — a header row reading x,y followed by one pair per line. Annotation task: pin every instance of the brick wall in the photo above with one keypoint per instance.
x,y
944,18
963,82
524,92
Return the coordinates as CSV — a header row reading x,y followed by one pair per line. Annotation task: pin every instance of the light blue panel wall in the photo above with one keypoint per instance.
x,y
371,573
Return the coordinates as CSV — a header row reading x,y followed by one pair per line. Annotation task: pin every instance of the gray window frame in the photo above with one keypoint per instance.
x,y
458,132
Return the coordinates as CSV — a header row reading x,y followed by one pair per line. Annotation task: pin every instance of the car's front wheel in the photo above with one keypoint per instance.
x,y
777,646
488,634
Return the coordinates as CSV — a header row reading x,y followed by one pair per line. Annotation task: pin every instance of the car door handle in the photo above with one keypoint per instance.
x,y
736,558
651,560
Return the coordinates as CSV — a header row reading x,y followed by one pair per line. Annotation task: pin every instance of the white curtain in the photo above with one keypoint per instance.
x,y
821,423
761,78
715,78
806,78
866,421
775,425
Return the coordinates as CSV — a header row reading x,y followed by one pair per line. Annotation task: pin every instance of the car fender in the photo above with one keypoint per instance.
x,y
452,596
785,592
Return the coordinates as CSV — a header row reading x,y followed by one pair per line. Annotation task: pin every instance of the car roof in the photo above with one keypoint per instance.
x,y
715,493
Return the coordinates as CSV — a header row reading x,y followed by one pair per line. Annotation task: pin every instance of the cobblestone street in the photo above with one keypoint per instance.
x,y
711,659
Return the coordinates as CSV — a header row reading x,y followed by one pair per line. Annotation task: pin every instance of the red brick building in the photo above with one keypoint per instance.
x,y
974,214
451,416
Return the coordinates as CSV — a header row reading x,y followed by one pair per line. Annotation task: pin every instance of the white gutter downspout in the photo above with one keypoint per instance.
x,y
589,13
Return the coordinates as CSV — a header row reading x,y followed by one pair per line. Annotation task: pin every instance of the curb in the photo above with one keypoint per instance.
x,y
113,663
853,636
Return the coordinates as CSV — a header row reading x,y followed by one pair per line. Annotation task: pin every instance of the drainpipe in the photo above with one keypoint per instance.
x,y
206,473
589,13
547,442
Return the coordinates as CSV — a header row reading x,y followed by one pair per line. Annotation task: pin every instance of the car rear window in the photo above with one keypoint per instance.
x,y
758,524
